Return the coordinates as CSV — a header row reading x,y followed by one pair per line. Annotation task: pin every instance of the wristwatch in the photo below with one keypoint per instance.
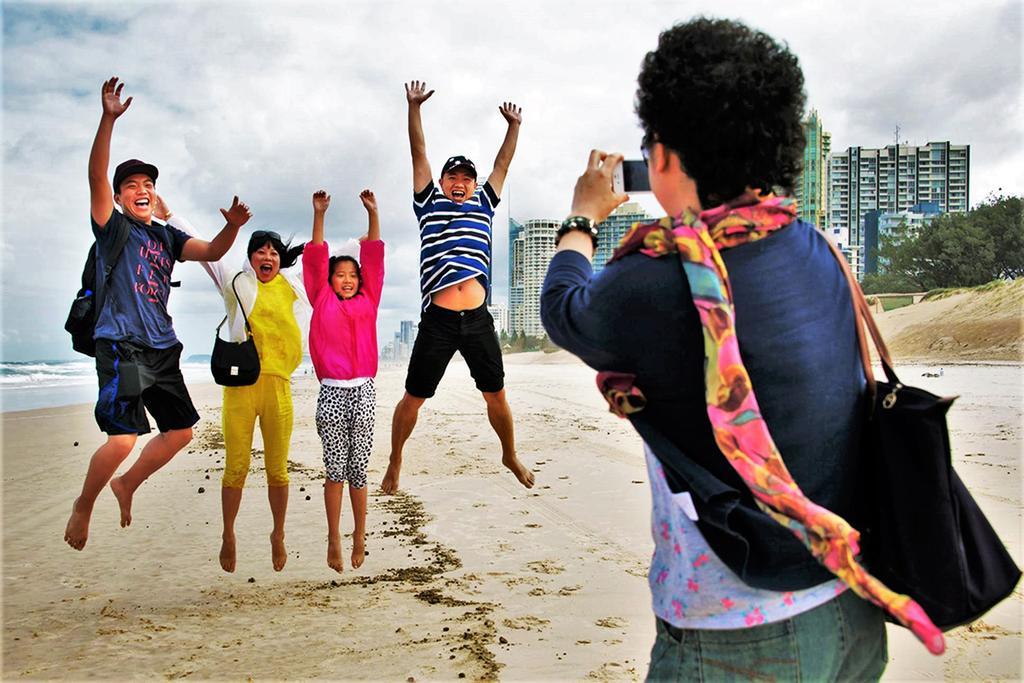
x,y
577,224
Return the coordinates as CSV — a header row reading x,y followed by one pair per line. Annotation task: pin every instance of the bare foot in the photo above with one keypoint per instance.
x,y
334,553
277,551
124,499
390,483
524,475
76,533
358,550
227,553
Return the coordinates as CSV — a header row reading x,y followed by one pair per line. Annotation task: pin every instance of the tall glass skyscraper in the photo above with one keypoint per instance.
x,y
811,190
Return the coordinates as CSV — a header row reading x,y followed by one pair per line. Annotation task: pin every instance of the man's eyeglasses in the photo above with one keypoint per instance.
x,y
645,146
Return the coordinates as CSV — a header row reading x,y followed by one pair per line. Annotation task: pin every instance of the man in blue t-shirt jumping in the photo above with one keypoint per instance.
x,y
137,352
455,266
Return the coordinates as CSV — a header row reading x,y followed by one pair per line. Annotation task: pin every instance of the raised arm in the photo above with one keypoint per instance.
x,y
201,250
101,195
514,116
416,93
215,269
373,217
573,306
371,250
321,201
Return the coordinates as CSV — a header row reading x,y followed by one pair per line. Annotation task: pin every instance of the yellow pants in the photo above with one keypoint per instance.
x,y
270,399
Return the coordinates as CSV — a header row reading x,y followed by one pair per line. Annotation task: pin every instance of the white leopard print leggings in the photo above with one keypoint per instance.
x,y
344,421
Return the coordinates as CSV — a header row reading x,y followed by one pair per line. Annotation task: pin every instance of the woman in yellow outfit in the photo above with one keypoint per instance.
x,y
275,303
269,298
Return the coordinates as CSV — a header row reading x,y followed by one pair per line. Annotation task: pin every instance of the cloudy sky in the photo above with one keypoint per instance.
x,y
273,101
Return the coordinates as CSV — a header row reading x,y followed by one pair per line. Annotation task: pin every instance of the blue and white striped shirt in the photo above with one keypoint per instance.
x,y
455,239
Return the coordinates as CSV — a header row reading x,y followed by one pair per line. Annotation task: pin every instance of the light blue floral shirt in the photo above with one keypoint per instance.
x,y
693,589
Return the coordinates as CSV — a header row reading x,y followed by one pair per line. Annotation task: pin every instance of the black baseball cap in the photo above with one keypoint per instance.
x,y
130,168
459,161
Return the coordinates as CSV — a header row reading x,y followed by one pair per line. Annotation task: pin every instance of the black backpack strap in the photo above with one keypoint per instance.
x,y
111,257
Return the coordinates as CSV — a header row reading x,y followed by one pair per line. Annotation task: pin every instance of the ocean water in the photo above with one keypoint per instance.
x,y
46,384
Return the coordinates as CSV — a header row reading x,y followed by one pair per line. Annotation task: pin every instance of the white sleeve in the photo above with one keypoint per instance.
x,y
214,269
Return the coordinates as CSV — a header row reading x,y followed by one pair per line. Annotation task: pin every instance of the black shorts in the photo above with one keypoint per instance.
x,y
443,332
135,378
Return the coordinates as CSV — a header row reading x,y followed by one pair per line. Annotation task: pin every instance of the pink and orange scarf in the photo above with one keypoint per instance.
x,y
739,429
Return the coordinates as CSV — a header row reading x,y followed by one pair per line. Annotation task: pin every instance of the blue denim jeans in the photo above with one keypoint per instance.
x,y
841,640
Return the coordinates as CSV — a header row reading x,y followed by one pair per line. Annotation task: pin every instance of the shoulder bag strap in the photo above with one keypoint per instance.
x,y
865,321
241,307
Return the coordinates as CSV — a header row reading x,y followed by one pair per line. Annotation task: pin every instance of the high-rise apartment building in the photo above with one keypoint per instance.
x,y
611,230
529,257
500,314
878,224
893,179
811,190
407,332
515,285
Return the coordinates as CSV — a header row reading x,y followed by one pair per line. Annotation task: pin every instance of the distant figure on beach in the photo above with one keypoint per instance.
x,y
273,302
345,294
728,295
455,266
137,352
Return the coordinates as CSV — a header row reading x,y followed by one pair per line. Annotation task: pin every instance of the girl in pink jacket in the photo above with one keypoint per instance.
x,y
345,294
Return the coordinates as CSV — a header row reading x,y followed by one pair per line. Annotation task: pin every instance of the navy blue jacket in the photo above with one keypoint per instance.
x,y
795,326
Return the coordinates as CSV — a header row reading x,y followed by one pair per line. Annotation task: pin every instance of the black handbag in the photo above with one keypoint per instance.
x,y
235,364
924,535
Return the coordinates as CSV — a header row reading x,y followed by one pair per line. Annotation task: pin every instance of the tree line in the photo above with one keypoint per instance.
x,y
518,342
953,250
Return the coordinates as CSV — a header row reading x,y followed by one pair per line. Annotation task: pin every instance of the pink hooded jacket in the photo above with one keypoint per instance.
x,y
343,332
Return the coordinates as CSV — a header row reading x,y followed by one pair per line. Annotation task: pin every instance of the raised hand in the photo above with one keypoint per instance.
x,y
369,200
238,215
321,200
416,92
593,196
111,98
511,112
160,209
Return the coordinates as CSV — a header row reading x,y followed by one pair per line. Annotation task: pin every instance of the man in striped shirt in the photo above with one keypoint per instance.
x,y
455,266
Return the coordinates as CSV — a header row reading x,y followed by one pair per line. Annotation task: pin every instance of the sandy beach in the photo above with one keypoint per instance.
x,y
468,575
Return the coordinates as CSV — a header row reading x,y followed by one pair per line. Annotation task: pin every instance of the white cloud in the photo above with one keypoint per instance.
x,y
272,101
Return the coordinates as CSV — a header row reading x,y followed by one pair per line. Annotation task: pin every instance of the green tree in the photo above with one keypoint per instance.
x,y
955,250
887,282
517,342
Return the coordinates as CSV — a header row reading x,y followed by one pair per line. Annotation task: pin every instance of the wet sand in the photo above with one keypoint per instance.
x,y
468,574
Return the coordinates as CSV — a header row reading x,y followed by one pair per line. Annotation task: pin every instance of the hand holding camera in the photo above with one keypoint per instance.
x,y
594,197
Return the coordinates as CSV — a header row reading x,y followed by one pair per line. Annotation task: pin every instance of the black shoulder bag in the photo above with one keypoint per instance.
x,y
924,536
235,364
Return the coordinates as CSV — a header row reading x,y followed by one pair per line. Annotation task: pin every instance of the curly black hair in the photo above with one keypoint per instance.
x,y
728,100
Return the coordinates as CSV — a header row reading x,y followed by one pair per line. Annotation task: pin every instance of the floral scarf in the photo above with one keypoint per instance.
x,y
739,429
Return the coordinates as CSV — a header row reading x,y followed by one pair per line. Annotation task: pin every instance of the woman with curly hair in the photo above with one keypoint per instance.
x,y
728,296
